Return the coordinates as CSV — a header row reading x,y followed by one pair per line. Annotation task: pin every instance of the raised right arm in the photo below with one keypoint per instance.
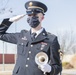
x,y
8,37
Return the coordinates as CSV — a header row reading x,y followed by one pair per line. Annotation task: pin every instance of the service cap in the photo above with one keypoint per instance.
x,y
35,7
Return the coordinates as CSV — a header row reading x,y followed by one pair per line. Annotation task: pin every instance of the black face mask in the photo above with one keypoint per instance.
x,y
33,21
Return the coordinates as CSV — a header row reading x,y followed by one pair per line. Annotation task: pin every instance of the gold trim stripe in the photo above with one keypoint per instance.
x,y
54,71
4,25
36,7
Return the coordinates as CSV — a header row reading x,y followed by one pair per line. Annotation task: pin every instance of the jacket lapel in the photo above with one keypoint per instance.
x,y
41,36
28,35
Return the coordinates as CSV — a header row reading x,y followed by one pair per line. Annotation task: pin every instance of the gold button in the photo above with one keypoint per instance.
x,y
28,58
43,33
31,45
29,52
26,65
21,43
32,12
41,49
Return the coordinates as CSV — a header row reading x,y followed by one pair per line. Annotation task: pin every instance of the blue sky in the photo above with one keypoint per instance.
x,y
60,17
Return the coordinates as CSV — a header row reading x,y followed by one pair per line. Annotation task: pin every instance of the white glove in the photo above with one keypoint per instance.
x,y
16,18
45,68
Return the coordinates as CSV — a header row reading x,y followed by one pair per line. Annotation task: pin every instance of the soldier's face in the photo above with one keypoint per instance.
x,y
34,20
40,16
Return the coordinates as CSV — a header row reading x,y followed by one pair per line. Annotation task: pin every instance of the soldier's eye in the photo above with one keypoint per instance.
x,y
30,15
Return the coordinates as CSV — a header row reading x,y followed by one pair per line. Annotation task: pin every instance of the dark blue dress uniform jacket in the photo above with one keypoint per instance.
x,y
27,49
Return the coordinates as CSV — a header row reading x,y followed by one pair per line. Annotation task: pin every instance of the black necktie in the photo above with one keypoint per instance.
x,y
33,36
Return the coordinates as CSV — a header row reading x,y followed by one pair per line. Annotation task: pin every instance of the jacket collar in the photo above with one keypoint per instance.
x,y
40,37
28,36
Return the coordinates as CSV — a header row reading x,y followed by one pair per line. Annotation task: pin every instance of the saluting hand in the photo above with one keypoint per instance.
x,y
16,18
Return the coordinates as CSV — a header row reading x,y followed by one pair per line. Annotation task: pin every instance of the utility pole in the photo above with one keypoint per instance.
x,y
3,58
15,46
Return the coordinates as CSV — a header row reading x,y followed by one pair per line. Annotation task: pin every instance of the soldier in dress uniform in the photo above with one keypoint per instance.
x,y
28,46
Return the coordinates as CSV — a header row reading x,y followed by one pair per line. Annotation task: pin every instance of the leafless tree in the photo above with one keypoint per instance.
x,y
73,48
4,6
67,40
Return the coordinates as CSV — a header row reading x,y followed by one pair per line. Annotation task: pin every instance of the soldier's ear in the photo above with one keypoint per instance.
x,y
42,17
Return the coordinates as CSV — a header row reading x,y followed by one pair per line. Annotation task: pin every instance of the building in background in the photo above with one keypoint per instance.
x,y
7,53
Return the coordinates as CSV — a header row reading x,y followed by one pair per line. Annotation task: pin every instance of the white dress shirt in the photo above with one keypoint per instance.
x,y
38,32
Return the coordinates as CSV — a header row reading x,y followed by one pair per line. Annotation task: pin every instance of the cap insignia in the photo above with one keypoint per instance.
x,y
30,4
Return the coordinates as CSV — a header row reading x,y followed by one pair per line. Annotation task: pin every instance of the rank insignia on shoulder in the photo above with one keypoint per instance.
x,y
24,38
